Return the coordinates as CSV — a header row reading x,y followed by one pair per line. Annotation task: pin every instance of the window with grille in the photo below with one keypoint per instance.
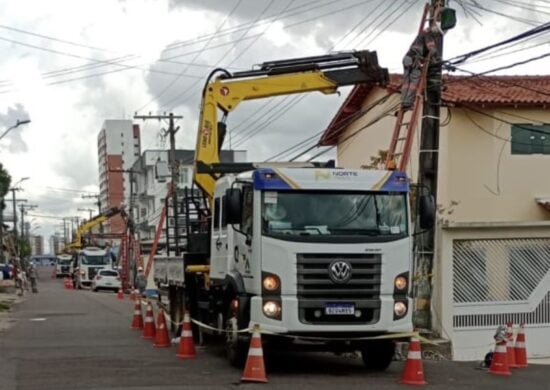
x,y
530,139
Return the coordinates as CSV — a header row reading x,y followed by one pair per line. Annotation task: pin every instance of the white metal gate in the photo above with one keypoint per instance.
x,y
496,281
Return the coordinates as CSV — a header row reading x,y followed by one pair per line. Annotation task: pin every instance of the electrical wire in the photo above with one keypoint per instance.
x,y
516,38
190,91
263,127
475,4
184,71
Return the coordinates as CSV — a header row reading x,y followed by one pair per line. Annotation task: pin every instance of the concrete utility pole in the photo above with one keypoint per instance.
x,y
427,174
94,196
172,130
23,208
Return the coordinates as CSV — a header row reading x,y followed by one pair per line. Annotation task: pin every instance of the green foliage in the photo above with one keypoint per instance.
x,y
5,182
24,247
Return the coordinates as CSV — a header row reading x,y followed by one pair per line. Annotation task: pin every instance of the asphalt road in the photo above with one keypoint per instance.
x,y
67,339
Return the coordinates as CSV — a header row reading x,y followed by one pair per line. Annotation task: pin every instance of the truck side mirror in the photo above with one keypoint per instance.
x,y
233,205
426,209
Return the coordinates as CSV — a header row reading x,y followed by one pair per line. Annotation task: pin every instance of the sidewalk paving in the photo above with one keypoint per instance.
x,y
8,298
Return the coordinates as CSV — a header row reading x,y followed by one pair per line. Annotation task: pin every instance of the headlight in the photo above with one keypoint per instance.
x,y
400,283
271,283
272,309
399,309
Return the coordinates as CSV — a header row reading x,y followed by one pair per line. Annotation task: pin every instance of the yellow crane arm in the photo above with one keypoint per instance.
x,y
98,220
321,73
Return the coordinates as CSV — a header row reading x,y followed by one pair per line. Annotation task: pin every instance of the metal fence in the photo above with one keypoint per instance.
x,y
500,280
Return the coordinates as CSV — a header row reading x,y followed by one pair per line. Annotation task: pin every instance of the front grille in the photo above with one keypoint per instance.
x,y
316,288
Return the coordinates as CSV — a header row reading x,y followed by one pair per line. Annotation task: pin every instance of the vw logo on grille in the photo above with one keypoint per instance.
x,y
339,271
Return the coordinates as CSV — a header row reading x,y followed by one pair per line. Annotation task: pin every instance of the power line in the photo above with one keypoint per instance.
x,y
256,37
475,4
242,26
222,57
271,119
388,112
519,37
180,74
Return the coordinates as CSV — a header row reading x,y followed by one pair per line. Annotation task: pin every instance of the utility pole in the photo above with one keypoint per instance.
x,y
427,173
98,202
172,130
23,208
90,211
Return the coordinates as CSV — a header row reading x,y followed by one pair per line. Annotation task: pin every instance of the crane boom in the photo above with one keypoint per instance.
x,y
274,78
97,220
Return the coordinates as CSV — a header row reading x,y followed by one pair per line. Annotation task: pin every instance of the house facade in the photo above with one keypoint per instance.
x,y
492,262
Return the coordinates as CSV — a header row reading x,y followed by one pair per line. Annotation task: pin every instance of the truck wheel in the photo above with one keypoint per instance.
x,y
378,354
236,350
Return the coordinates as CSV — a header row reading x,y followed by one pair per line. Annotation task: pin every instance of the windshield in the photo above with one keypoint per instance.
x,y
95,260
334,214
64,262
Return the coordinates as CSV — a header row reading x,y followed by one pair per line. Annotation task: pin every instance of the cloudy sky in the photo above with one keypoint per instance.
x,y
69,65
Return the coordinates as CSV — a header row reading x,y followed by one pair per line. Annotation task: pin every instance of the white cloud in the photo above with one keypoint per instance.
x,y
61,140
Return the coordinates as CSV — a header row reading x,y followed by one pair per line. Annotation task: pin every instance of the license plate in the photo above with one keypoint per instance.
x,y
108,284
339,309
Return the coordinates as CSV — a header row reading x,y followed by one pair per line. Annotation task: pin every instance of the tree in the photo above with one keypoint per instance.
x,y
5,182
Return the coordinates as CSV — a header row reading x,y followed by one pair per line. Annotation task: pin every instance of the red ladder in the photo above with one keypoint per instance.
x,y
158,233
406,122
402,139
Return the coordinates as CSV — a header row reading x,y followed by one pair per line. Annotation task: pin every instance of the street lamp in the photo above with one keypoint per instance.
x,y
17,124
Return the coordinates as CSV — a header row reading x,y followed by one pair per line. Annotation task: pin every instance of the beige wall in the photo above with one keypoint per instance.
x,y
476,170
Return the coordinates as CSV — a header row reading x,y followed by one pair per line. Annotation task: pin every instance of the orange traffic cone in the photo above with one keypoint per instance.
x,y
120,294
499,363
137,322
510,352
71,284
186,349
254,370
149,325
520,348
66,283
413,374
133,295
161,336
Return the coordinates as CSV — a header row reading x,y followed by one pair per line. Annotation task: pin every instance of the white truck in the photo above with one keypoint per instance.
x,y
321,254
63,265
87,262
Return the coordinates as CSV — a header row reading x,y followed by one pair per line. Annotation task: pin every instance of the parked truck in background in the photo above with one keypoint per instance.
x,y
314,252
63,265
87,262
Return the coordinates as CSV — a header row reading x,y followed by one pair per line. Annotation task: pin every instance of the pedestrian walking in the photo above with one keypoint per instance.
x,y
141,281
33,277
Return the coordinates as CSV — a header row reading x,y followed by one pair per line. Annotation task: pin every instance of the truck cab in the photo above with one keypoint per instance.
x,y
63,265
87,262
314,252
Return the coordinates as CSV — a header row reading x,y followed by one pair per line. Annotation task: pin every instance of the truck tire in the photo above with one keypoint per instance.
x,y
378,354
236,350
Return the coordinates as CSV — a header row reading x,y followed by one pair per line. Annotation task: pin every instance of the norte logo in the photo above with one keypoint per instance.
x,y
327,175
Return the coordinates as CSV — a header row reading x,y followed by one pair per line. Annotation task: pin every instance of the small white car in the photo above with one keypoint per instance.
x,y
106,279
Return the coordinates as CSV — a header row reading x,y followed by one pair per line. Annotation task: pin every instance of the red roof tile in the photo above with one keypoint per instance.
x,y
494,91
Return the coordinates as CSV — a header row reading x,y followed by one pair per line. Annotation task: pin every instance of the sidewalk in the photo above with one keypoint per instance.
x,y
8,298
